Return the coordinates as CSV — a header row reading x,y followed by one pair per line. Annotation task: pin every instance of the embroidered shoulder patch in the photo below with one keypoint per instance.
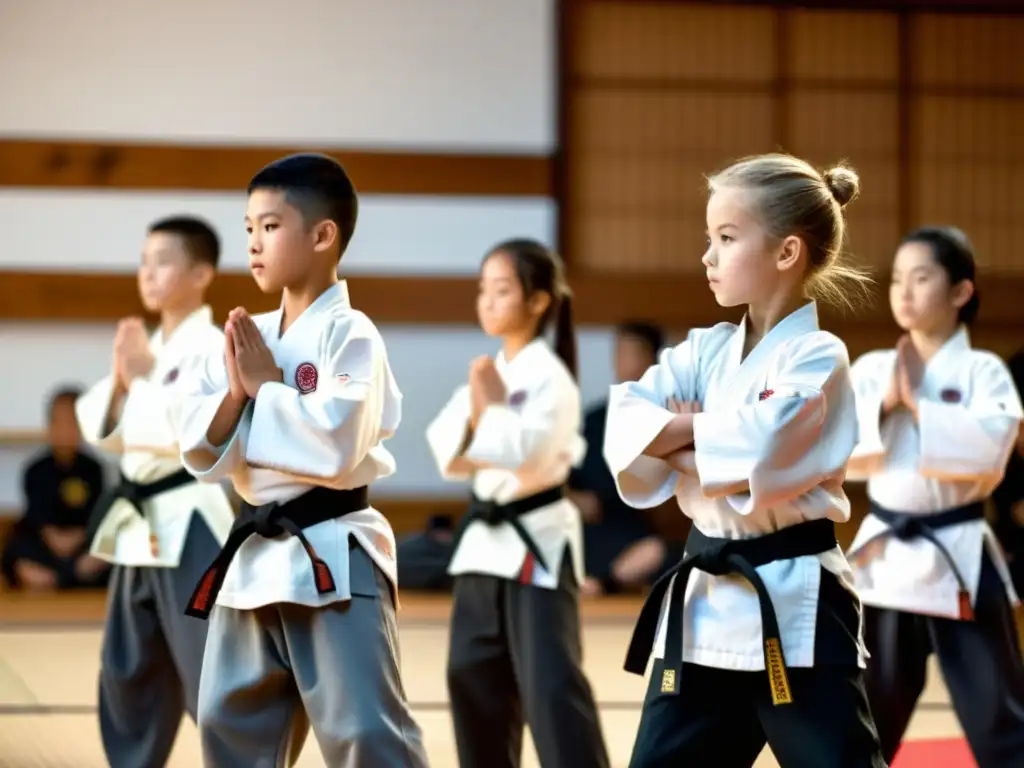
x,y
517,398
306,378
765,394
950,395
171,377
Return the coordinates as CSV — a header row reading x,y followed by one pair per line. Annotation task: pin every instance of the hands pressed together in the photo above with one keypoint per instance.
x,y
249,361
132,357
906,378
485,386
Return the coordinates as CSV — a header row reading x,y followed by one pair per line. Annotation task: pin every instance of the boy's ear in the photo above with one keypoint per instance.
x,y
203,274
325,235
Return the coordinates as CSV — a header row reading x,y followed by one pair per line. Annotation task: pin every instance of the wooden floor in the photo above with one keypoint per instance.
x,y
49,652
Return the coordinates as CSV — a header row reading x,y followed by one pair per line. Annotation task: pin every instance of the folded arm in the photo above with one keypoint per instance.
x,y
641,431
779,448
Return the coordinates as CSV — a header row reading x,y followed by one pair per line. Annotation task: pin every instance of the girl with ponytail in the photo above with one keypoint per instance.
x,y
514,430
938,419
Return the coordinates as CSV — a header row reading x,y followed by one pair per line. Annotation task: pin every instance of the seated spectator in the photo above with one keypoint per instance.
x,y
621,547
47,548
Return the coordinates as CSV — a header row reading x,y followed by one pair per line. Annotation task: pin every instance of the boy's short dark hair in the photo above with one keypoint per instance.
x,y
62,395
650,334
318,187
201,242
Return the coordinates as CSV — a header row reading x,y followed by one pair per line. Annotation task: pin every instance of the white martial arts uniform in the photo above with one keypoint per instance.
x,y
526,445
954,454
771,446
322,427
146,436
158,555
514,648
928,478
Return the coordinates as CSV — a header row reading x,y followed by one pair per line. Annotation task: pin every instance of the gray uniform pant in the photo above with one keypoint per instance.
x,y
152,655
272,672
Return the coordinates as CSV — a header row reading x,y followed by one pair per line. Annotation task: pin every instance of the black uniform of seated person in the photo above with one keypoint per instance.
x,y
47,547
621,548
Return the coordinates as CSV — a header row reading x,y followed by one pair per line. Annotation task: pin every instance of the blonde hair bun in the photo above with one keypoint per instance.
x,y
843,183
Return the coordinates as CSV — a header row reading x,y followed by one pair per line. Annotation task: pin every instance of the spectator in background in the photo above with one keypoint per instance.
x,y
1008,497
47,548
621,548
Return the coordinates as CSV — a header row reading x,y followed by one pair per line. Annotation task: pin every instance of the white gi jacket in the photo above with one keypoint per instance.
x,y
147,437
953,455
771,447
526,445
323,426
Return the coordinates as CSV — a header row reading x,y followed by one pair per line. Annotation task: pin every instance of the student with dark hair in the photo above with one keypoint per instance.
x,y
295,411
515,651
47,548
621,547
158,527
938,420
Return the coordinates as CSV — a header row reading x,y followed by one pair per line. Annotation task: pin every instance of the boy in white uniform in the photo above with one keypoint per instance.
x,y
294,412
158,526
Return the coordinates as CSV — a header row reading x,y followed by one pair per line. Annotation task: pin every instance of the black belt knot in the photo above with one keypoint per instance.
x,y
136,494
265,521
487,511
492,513
722,557
272,520
907,526
719,559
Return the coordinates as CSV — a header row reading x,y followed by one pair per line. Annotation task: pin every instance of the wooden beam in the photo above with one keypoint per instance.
x,y
79,164
1011,7
675,301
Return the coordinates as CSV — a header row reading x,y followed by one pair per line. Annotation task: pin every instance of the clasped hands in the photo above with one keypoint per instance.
x,y
250,363
132,357
485,387
906,377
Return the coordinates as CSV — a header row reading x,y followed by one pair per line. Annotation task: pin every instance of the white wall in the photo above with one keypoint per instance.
x,y
428,361
102,231
421,75
460,75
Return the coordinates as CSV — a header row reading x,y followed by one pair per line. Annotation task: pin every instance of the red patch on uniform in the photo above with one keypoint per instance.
x,y
517,398
306,378
951,396
171,377
765,394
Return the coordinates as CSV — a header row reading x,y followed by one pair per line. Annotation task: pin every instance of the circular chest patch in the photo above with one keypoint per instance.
x,y
171,377
74,492
305,377
951,396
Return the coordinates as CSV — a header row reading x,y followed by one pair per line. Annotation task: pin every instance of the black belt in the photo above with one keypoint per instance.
x,y
720,557
909,525
135,494
492,513
271,520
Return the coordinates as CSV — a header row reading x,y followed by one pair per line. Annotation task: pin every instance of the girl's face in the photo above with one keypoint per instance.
x,y
500,305
920,294
741,260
